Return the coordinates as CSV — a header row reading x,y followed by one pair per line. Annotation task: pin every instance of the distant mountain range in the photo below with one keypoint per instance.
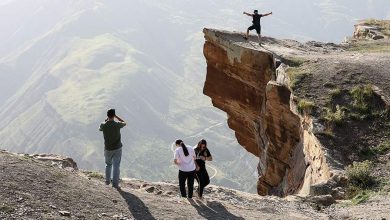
x,y
63,63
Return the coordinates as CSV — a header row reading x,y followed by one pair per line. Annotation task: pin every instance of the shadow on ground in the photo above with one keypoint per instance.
x,y
137,208
213,210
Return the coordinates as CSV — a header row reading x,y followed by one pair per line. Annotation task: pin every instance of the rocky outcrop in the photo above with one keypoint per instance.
x,y
372,29
59,161
242,81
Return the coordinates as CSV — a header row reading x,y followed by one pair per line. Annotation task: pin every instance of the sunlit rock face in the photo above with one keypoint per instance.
x,y
241,80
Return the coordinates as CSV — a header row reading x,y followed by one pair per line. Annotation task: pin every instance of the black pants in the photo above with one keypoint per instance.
x,y
189,177
203,179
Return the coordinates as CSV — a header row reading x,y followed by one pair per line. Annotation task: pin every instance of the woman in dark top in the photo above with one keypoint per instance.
x,y
202,155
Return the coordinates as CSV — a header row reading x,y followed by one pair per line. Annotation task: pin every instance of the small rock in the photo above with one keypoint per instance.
x,y
324,200
52,206
150,189
64,213
115,201
159,192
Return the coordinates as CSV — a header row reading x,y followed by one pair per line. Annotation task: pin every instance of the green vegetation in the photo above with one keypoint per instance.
x,y
305,106
294,61
6,209
335,93
361,197
296,76
337,117
359,175
361,181
370,47
362,95
94,174
382,148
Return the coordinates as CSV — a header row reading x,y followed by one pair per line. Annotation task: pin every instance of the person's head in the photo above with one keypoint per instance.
x,y
111,113
256,11
202,144
180,143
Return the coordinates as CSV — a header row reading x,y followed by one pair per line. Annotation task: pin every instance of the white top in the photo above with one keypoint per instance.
x,y
185,163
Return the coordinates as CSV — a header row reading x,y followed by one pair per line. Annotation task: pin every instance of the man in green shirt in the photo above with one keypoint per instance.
x,y
112,146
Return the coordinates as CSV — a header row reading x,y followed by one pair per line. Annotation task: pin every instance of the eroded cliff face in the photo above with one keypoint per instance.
x,y
242,81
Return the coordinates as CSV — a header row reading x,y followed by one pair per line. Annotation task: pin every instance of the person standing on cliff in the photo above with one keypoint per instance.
x,y
255,24
112,146
202,155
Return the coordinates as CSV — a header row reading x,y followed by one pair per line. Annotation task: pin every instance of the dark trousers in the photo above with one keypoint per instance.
x,y
189,177
203,179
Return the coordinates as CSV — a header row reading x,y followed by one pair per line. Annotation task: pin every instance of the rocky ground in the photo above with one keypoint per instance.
x,y
31,188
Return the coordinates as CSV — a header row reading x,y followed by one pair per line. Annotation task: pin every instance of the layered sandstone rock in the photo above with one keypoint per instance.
x,y
242,81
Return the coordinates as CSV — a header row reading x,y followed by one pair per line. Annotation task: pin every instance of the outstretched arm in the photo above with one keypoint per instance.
x,y
267,14
246,13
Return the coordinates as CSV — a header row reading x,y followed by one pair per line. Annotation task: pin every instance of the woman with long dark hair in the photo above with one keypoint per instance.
x,y
202,155
184,158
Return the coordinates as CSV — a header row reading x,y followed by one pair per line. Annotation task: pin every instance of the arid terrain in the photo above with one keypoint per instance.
x,y
35,189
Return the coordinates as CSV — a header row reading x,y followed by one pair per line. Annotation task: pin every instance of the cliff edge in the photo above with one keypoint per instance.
x,y
281,101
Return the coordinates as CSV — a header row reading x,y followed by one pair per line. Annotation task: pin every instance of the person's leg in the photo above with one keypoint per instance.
x,y
190,183
108,160
197,180
258,29
182,183
202,182
247,33
116,160
206,178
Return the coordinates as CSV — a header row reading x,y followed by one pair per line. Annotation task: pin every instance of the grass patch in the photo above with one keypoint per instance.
x,y
334,93
296,76
361,182
94,174
336,117
6,209
294,61
361,197
359,175
361,96
305,106
369,47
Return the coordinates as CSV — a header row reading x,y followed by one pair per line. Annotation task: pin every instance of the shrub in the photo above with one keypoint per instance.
x,y
305,106
361,96
382,148
359,175
336,117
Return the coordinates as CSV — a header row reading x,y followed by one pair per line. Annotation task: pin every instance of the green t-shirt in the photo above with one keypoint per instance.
x,y
112,134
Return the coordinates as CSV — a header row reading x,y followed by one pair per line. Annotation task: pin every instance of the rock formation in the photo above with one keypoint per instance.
x,y
241,80
286,102
372,29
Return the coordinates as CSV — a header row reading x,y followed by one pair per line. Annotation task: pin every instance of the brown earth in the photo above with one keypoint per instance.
x,y
35,189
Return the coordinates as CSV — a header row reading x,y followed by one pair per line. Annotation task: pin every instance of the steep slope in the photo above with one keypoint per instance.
x,y
281,102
